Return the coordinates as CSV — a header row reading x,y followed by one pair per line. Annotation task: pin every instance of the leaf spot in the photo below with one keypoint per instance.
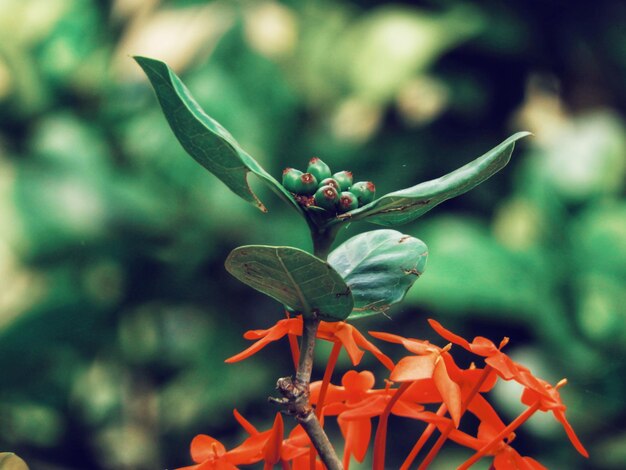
x,y
413,271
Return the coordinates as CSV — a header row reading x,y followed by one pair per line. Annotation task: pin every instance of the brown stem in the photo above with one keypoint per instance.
x,y
305,366
296,391
320,440
296,397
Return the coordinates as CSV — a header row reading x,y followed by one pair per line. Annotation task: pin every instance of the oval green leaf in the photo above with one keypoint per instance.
x,y
204,138
295,278
10,461
401,207
379,267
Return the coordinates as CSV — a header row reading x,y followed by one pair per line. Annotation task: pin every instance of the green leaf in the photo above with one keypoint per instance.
x,y
294,277
10,461
400,207
204,138
379,267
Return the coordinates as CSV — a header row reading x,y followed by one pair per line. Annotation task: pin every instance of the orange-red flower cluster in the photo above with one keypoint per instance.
x,y
429,375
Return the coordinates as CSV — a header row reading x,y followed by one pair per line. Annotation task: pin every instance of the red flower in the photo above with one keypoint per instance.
x,y
210,454
429,364
270,446
354,404
494,357
337,332
489,430
550,400
536,390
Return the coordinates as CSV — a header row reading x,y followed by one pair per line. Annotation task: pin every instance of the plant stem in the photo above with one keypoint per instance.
x,y
307,347
303,411
323,241
296,392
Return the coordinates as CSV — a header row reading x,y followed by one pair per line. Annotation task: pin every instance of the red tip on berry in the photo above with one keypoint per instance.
x,y
287,170
313,160
370,186
307,178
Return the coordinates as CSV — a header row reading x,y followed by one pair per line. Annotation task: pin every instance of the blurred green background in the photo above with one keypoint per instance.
x,y
115,311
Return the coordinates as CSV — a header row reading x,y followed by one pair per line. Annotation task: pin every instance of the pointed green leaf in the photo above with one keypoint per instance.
x,y
408,204
379,267
294,277
204,138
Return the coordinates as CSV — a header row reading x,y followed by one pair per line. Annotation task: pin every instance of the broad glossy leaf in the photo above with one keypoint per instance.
x,y
379,267
294,277
204,138
400,207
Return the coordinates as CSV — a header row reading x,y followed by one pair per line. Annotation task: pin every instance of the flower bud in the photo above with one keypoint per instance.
x,y
365,191
307,184
291,179
318,168
327,198
347,202
344,178
330,182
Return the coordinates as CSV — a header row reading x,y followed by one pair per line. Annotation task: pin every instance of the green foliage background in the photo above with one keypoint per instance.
x,y
115,310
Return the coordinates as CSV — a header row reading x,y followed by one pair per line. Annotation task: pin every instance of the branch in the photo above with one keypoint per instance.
x,y
296,397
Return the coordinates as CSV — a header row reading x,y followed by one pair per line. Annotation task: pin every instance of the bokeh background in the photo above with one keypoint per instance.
x,y
115,311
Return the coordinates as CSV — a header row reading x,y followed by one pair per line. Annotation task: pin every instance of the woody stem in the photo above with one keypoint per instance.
x,y
300,404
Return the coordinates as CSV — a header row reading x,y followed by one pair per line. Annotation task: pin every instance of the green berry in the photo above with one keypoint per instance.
x,y
344,178
308,184
318,168
291,179
326,197
330,182
347,202
364,192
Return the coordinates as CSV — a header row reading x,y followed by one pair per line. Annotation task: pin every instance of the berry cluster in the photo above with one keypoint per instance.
x,y
333,192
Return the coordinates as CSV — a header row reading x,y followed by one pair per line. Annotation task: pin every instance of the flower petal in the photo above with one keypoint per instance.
x,y
275,333
414,345
274,444
448,335
205,447
449,390
483,347
560,417
357,383
412,368
357,434
245,424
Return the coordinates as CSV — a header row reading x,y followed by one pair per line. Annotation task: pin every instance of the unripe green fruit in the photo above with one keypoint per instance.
x,y
308,184
291,179
330,182
318,168
326,197
344,178
365,191
347,202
